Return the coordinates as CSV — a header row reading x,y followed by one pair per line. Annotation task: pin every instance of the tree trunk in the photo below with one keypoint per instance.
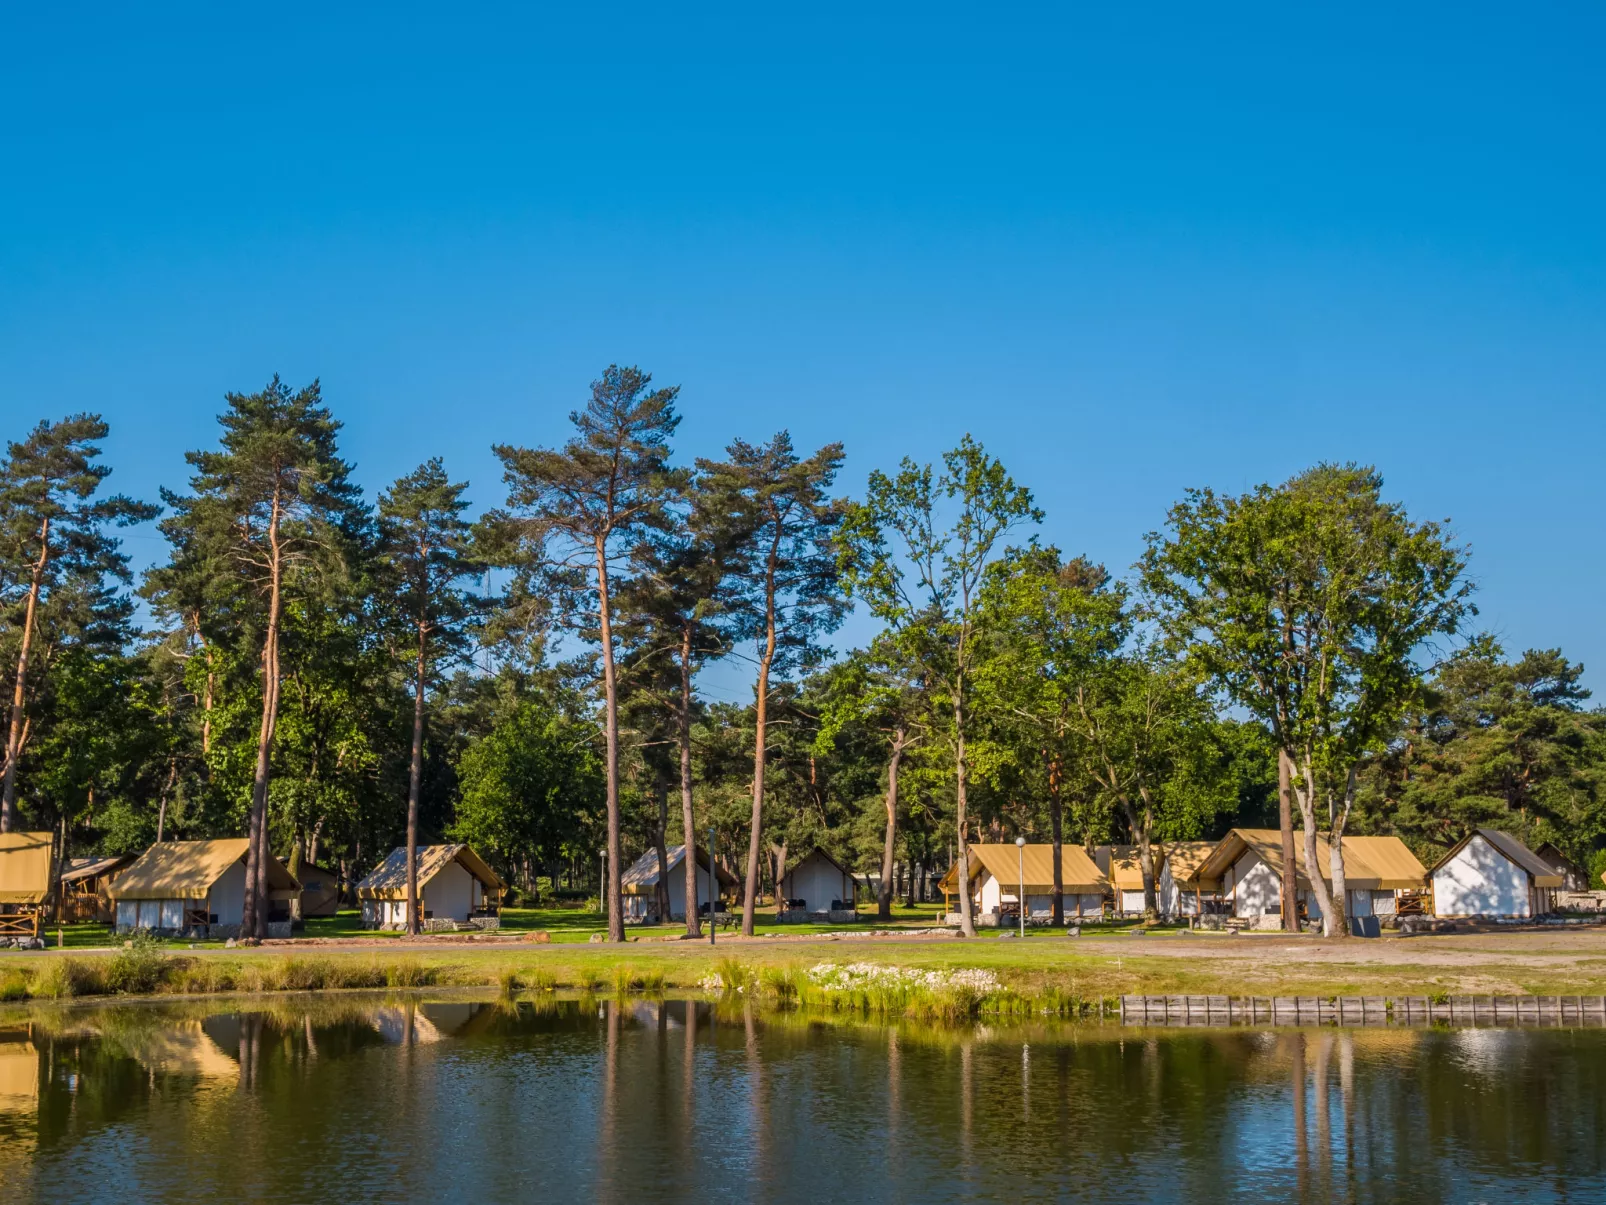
x,y
610,688
884,891
967,921
1289,890
167,789
254,922
761,719
59,864
415,776
206,694
687,820
660,843
16,734
1313,873
297,861
1056,820
1335,859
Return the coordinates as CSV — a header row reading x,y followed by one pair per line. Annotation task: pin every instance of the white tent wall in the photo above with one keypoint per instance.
x,y
449,895
1481,881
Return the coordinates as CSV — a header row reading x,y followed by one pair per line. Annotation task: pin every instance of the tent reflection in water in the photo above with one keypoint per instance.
x,y
197,889
24,882
455,888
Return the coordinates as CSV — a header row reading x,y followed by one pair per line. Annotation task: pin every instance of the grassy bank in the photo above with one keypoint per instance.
x,y
1053,975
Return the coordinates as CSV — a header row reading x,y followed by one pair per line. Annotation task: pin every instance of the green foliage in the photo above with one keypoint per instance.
x,y
139,967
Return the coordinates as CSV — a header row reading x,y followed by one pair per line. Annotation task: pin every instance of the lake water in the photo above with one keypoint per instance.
x,y
457,1099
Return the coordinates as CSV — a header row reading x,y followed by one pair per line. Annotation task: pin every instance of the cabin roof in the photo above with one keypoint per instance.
x,y
183,870
25,867
1079,874
89,868
1514,851
388,880
1370,863
641,877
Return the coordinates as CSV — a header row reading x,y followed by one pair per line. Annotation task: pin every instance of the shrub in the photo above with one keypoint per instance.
x,y
138,968
589,979
780,983
62,978
14,987
734,976
508,981
408,972
540,981
308,974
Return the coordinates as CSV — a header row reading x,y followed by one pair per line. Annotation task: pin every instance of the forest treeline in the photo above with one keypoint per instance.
x,y
334,675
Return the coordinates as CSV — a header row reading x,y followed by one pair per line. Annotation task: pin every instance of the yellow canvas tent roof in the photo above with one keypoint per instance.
x,y
388,880
94,867
186,870
1370,863
24,867
1079,874
1542,875
1122,864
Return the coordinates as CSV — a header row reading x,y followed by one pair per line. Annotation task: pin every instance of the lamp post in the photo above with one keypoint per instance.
x,y
713,885
1020,856
602,882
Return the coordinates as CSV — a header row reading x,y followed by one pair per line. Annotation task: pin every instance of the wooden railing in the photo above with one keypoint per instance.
x,y
20,924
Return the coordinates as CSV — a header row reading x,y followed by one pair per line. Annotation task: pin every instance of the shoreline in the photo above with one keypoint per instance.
x,y
1051,974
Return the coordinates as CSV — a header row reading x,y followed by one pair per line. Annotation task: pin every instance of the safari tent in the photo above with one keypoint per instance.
x,y
818,883
1574,877
24,882
197,889
1248,863
1179,890
995,881
320,890
85,887
455,887
639,885
1492,873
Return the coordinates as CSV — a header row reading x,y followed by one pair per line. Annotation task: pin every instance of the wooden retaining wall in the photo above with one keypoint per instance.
x,y
1362,1010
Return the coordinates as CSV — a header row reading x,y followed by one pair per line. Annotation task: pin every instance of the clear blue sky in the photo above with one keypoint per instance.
x,y
1131,250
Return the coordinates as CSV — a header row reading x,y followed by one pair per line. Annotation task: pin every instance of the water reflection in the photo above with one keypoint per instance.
x,y
454,1098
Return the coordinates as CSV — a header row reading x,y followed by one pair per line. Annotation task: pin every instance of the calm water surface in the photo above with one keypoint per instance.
x,y
451,1099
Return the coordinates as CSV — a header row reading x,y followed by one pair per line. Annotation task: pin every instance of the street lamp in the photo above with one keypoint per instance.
x,y
1020,856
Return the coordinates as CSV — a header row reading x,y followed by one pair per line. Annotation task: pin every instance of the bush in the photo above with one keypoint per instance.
x,y
508,981
14,987
409,972
138,968
63,978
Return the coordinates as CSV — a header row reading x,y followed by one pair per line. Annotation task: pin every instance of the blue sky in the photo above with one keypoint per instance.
x,y
1131,251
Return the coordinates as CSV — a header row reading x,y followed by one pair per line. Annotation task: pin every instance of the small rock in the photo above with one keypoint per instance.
x,y
1073,930
540,935
598,938
228,945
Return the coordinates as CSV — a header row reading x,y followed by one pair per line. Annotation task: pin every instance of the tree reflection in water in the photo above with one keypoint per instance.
x,y
416,1097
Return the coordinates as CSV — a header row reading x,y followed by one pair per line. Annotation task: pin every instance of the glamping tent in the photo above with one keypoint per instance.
x,y
817,883
1248,863
1179,891
24,882
84,887
455,887
1491,873
1574,877
320,890
639,885
197,889
995,881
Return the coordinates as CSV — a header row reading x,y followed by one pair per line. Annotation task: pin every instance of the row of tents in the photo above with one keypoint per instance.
x,y
197,888
1488,873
